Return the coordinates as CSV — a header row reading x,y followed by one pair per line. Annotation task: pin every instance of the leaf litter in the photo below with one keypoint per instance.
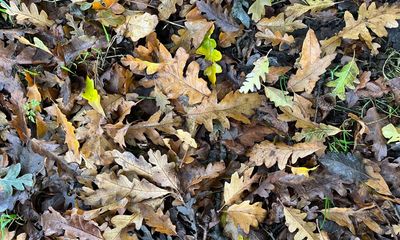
x,y
208,119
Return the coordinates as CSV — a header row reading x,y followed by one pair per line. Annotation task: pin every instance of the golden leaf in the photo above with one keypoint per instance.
x,y
234,189
269,153
302,170
294,221
297,9
70,138
280,24
311,65
120,222
234,105
246,215
160,222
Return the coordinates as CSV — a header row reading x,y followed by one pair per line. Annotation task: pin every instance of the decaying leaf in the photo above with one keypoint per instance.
x,y
234,105
311,66
349,167
375,122
269,153
160,222
280,24
246,214
167,7
216,12
70,138
295,221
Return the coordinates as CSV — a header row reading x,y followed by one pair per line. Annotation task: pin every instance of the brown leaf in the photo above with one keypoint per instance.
x,y
376,181
160,222
215,11
311,66
375,123
234,105
234,189
294,221
269,153
70,138
246,215
280,24
73,227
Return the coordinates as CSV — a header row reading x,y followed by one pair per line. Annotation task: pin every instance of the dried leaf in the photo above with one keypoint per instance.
x,y
217,13
137,25
70,138
279,97
234,189
32,14
246,215
269,153
160,222
121,222
297,9
311,65
167,7
294,221
234,105
253,81
280,24
375,123
348,167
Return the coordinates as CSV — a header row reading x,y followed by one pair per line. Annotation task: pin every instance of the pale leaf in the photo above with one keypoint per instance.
x,y
257,9
246,215
137,25
295,221
234,189
32,14
256,76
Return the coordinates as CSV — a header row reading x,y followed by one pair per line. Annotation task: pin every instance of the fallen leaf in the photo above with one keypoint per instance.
x,y
279,97
11,180
269,153
375,122
297,9
121,222
234,105
253,81
70,138
257,9
246,214
311,66
137,25
167,7
234,189
346,77
219,14
30,14
92,96
294,221
302,170
391,132
160,222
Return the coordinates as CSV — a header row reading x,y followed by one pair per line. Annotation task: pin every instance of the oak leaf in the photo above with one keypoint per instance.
x,y
297,9
280,24
234,105
215,11
294,221
137,25
376,19
256,76
246,214
311,66
30,14
269,153
346,77
174,84
391,132
275,38
234,189
376,182
70,138
167,7
279,97
257,9
121,222
160,222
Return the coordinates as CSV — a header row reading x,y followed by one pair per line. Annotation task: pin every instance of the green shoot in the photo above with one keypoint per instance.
x,y
30,109
5,221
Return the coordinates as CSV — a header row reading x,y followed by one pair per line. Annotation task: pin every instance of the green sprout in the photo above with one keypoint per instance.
x,y
30,109
5,221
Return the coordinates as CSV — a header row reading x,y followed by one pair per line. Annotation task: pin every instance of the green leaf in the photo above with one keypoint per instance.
x,y
391,132
12,180
92,96
207,49
239,13
252,82
279,97
345,78
108,18
257,9
211,72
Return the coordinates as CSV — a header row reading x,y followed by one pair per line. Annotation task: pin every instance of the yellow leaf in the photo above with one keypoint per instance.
x,y
297,9
246,215
294,221
234,189
92,96
160,222
70,138
120,222
186,138
302,170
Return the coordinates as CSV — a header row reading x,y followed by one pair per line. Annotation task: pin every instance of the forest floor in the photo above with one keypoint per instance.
x,y
225,119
